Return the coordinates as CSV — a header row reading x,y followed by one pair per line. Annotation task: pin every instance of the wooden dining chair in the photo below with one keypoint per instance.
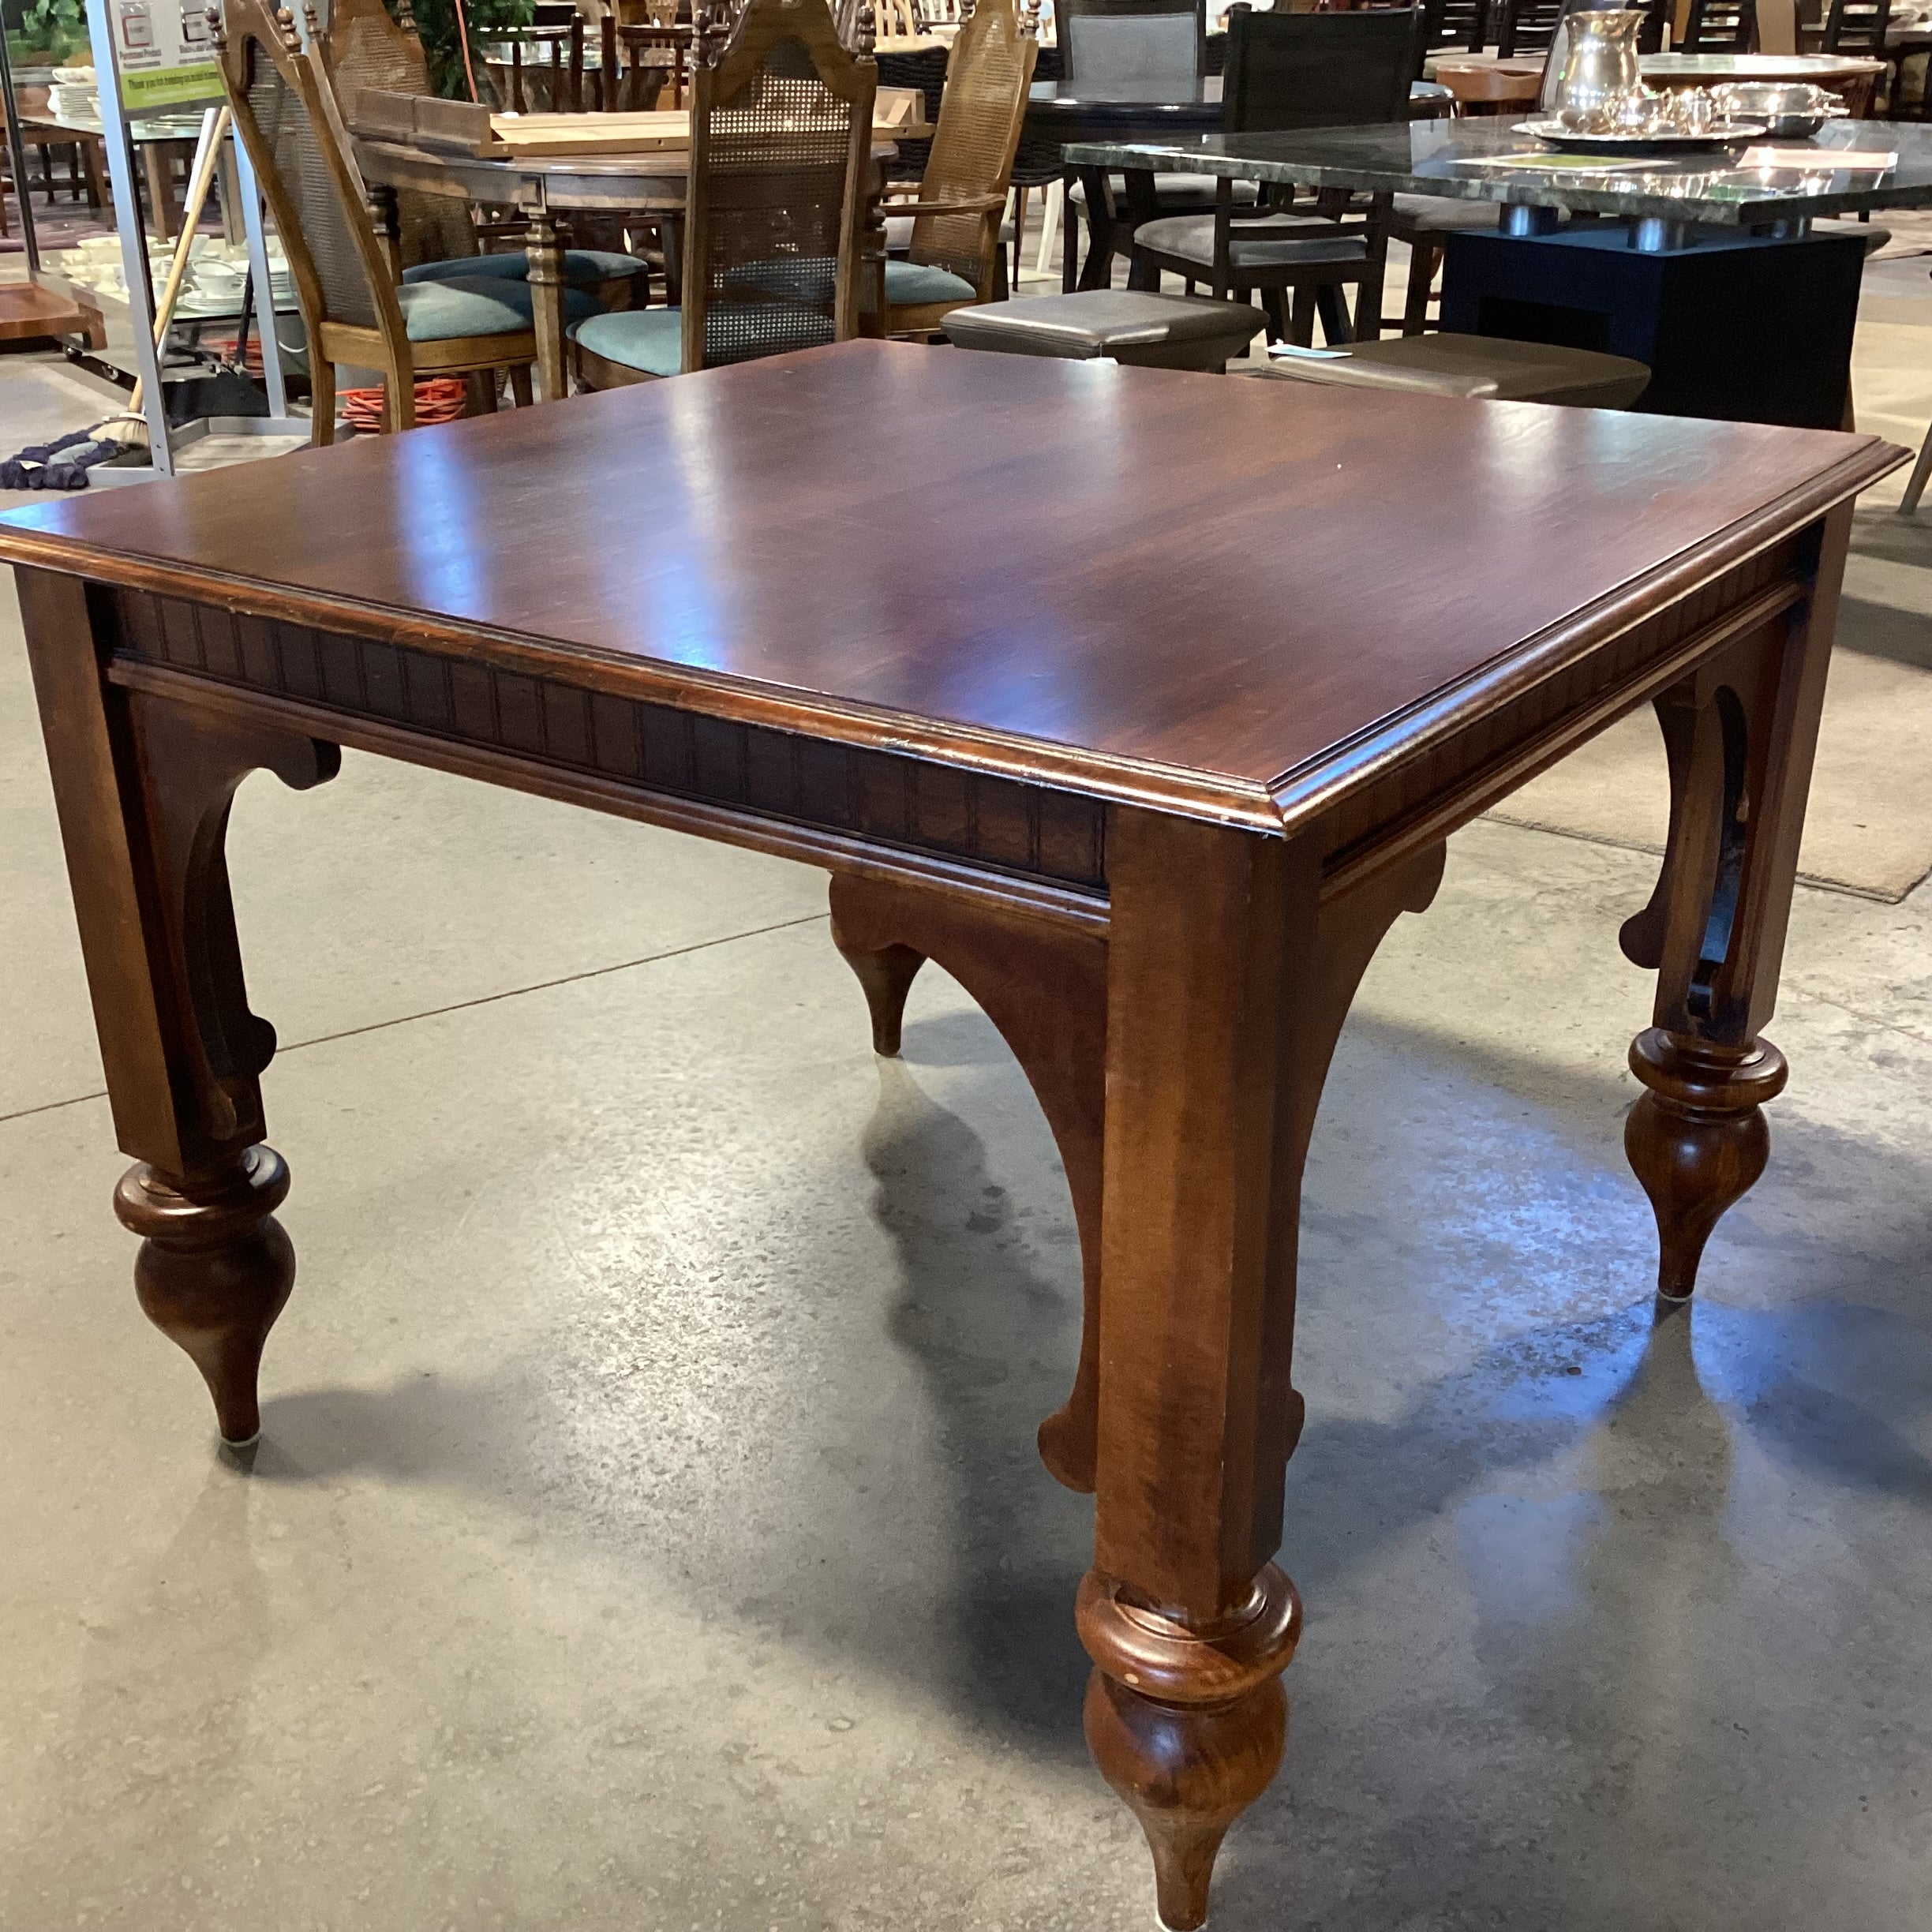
x,y
1290,71
953,250
558,29
1720,26
355,306
645,54
781,138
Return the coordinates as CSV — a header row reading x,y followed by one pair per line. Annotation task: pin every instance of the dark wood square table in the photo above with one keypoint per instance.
x,y
1142,701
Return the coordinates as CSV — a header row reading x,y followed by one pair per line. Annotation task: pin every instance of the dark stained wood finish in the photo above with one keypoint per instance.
x,y
1154,789
764,571
1740,735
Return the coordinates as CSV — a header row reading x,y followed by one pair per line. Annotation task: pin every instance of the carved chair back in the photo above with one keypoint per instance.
x,y
781,133
980,117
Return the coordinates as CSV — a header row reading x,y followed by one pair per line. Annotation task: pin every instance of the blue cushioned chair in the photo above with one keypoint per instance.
x,y
952,253
781,136
354,309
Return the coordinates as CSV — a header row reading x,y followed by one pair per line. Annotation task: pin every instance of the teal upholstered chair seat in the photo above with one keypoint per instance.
x,y
582,268
908,284
439,311
649,340
911,285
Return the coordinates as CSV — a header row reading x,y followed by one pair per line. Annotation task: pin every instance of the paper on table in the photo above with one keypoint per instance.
x,y
1820,160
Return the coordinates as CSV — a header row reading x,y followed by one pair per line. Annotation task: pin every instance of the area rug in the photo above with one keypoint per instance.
x,y
1869,828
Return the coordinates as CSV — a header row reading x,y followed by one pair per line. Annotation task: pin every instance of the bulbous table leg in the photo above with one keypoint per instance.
x,y
1187,1725
1697,1141
1739,733
1228,976
214,1271
144,783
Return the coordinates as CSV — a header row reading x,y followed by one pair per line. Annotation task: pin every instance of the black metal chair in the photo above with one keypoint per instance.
x,y
1720,26
1289,71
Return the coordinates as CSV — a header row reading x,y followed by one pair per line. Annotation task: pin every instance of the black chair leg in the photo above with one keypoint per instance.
x,y
1275,305
1424,259
1301,318
1334,313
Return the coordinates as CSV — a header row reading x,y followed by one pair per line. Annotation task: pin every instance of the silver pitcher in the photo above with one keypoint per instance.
x,y
1593,68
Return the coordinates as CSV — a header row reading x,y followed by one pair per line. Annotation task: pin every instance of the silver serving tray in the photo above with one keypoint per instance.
x,y
1721,134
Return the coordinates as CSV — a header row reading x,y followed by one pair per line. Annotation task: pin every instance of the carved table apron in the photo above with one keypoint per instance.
x,y
1150,757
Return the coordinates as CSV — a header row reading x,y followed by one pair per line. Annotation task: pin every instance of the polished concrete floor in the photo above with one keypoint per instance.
x,y
647,1533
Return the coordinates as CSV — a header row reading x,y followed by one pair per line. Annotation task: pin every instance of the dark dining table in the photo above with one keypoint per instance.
x,y
1153,785
1711,274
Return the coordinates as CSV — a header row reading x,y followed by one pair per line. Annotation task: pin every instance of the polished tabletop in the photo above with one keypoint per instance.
x,y
1201,591
1490,159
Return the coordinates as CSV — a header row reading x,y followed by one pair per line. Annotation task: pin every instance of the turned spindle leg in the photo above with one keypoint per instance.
x,y
214,1271
1739,733
1188,1724
1697,1141
1228,980
144,783
1043,985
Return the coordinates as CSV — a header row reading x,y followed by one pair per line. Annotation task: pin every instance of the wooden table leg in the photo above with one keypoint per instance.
x,y
545,249
143,787
155,157
1228,981
1739,733
1044,986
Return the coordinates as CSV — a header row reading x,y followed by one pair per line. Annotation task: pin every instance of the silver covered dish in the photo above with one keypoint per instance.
x,y
1790,110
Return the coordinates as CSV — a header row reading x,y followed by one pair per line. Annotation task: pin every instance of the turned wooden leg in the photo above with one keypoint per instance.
x,y
144,784
1043,985
214,1271
1228,980
1740,734
544,249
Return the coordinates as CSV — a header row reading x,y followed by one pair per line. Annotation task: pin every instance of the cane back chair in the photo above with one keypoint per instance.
x,y
781,136
953,255
354,307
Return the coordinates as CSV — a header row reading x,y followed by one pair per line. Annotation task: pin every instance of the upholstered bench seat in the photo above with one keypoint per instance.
x,y
1123,325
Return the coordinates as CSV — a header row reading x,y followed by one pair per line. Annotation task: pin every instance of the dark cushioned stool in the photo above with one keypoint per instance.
x,y
1123,325
1473,365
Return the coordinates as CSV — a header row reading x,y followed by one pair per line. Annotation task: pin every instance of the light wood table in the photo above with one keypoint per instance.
x,y
1150,781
